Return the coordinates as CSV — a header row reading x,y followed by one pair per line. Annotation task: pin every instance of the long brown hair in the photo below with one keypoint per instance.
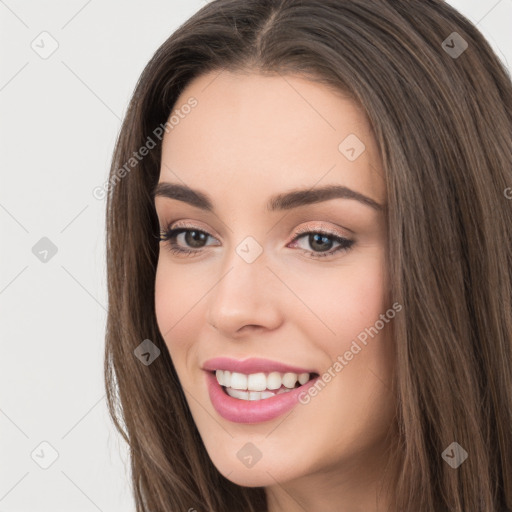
x,y
443,125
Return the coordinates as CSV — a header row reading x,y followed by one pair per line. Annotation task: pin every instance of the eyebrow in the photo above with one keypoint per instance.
x,y
285,201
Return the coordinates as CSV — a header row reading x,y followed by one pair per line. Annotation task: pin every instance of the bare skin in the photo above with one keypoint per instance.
x,y
251,137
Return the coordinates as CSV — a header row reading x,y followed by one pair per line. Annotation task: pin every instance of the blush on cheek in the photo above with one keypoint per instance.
x,y
169,305
161,299
176,307
359,300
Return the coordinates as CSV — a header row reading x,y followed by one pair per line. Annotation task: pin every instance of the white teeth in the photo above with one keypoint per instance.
x,y
303,378
289,380
235,393
274,380
238,381
253,395
259,382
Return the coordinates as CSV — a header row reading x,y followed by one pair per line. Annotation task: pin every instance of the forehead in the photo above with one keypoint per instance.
x,y
268,133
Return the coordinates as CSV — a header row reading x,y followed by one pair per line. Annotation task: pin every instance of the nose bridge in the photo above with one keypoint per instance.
x,y
242,294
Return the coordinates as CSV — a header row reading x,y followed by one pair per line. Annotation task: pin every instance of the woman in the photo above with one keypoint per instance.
x,y
310,263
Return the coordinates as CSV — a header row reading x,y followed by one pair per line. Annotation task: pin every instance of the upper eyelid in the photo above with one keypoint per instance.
x,y
339,230
176,225
298,232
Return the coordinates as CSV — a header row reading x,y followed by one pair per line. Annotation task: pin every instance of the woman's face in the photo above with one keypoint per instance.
x,y
253,287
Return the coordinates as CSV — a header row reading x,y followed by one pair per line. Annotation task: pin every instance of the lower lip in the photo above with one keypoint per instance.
x,y
252,411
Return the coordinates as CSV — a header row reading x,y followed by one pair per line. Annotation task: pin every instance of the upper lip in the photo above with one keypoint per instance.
x,y
252,365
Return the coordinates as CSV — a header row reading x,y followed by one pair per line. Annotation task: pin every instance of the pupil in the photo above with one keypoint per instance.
x,y
194,238
313,239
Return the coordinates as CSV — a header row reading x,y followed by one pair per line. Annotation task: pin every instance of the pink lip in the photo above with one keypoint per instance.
x,y
252,365
246,411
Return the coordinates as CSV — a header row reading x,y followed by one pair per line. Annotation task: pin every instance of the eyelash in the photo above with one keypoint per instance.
x,y
345,243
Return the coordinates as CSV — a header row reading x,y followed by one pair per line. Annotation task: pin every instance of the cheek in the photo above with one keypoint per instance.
x,y
344,301
360,373
165,298
175,297
362,300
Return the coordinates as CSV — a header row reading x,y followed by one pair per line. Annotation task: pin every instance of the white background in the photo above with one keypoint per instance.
x,y
59,120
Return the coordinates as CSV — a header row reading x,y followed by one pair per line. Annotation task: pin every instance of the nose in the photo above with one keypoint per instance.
x,y
246,297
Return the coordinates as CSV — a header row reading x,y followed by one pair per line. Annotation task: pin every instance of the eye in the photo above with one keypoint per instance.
x,y
195,239
192,236
323,241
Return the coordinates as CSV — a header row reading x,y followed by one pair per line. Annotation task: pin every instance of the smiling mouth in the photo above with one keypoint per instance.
x,y
260,386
